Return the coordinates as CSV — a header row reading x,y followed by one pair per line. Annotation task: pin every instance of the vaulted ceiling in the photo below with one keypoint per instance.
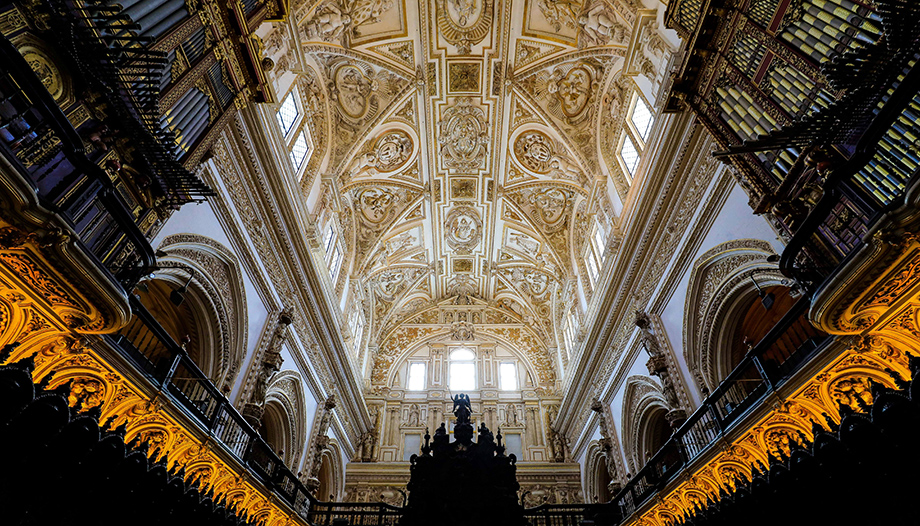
x,y
464,147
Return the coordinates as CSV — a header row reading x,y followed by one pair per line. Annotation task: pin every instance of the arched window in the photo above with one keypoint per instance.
x,y
462,370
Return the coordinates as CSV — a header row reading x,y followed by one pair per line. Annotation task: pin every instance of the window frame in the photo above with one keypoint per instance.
x,y
286,134
596,253
631,133
297,130
451,361
424,379
514,377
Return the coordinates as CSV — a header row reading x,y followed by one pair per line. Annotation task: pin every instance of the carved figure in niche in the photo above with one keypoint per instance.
x,y
368,446
413,420
559,445
511,415
599,27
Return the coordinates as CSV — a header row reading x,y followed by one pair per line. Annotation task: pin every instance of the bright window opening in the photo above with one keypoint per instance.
x,y
569,332
335,262
507,376
629,154
591,263
416,377
328,238
300,149
287,114
599,242
462,370
642,119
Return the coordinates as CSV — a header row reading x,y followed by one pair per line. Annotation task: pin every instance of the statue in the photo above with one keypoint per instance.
x,y
485,436
462,408
441,431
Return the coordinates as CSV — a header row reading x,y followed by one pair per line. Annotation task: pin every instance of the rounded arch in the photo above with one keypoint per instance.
x,y
285,416
331,474
597,476
643,403
719,294
217,292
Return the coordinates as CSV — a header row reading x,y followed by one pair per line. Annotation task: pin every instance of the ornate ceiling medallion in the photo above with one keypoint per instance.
x,y
464,23
463,229
572,90
534,150
353,91
463,136
550,207
376,205
393,150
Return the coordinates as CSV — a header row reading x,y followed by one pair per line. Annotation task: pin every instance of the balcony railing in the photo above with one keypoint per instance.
x,y
154,352
572,515
42,145
354,514
767,365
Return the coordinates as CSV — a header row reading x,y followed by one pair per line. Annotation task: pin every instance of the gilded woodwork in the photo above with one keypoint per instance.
x,y
842,381
67,358
875,300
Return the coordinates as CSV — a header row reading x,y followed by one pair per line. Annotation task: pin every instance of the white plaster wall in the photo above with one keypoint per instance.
x,y
734,221
200,219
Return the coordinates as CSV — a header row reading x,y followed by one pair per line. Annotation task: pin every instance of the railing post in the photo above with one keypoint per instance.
x,y
716,418
763,372
177,357
215,418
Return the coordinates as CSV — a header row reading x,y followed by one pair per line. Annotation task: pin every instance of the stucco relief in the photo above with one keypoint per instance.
x,y
463,229
598,25
464,23
463,136
339,21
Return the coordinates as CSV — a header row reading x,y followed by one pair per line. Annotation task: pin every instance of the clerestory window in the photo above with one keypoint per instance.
x,y
462,372
636,132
